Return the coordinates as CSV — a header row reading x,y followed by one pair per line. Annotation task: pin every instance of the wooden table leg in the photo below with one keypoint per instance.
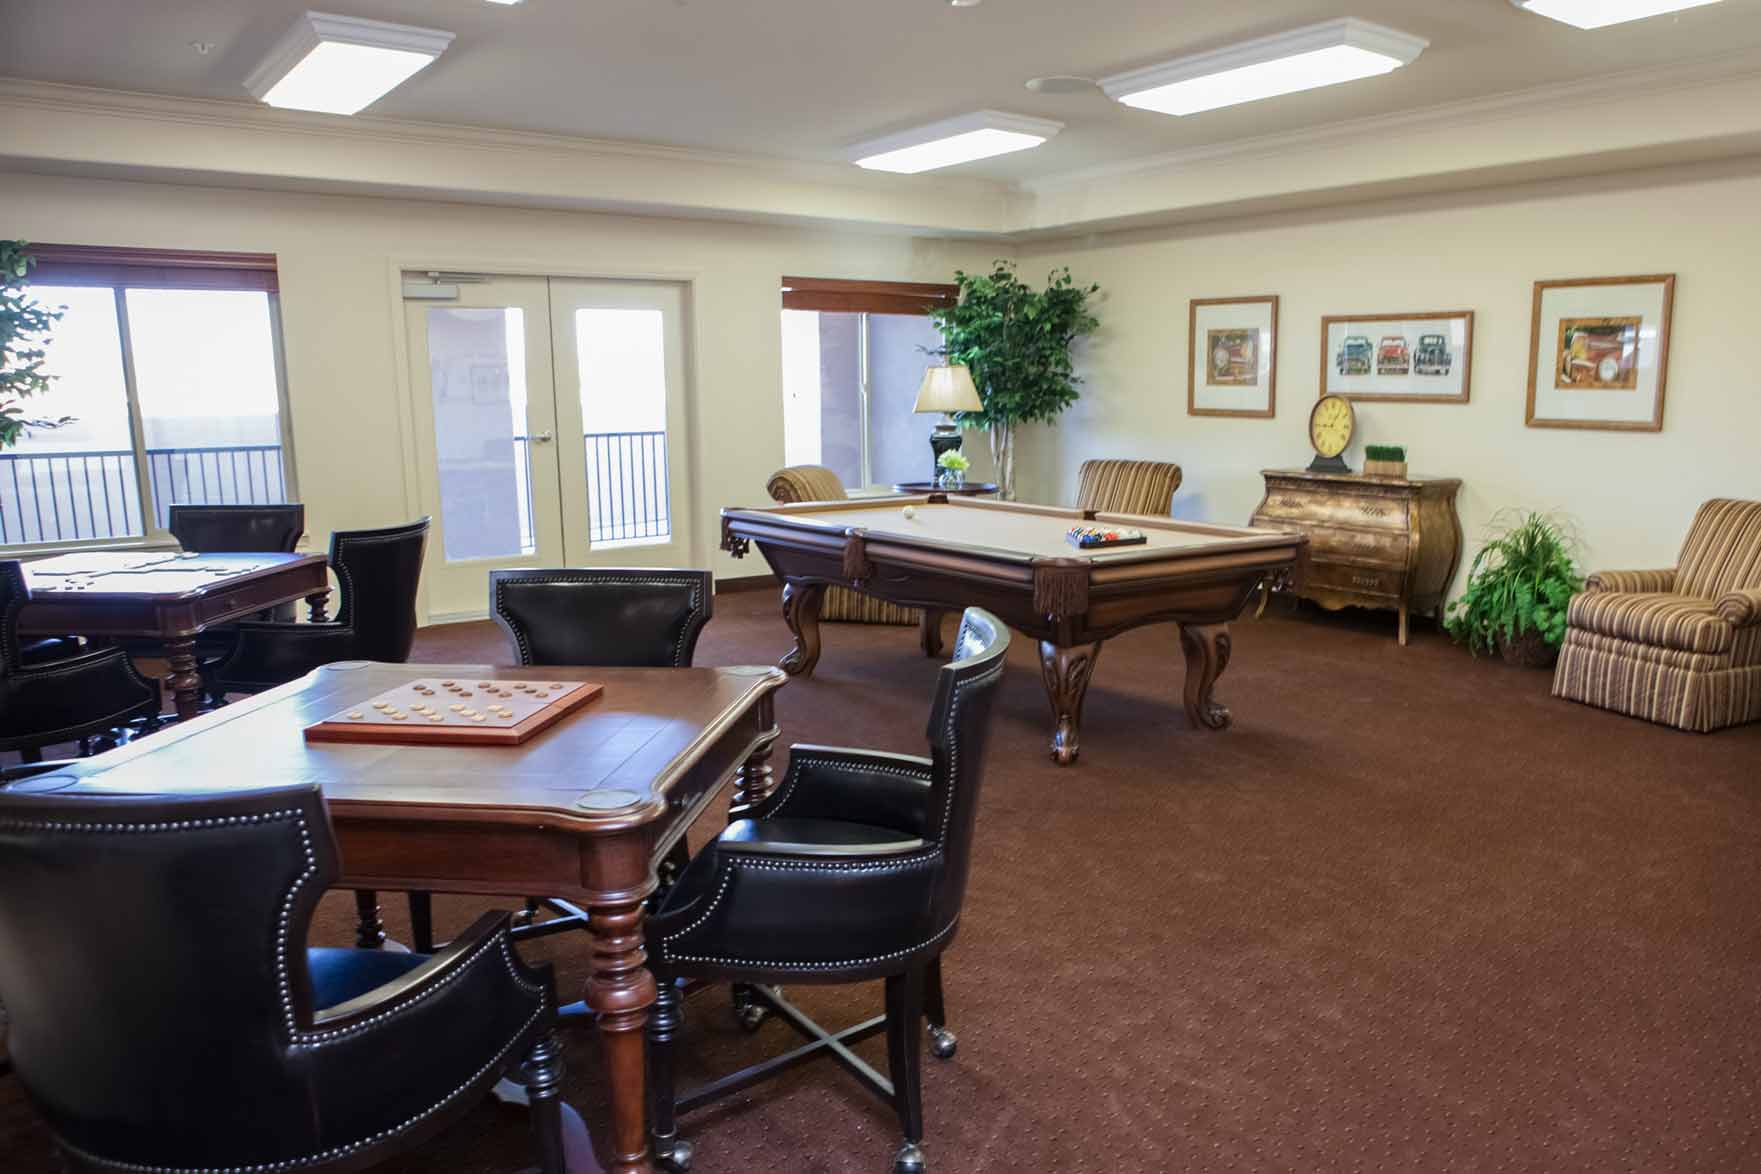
x,y
186,683
1207,655
558,1132
369,925
315,605
801,613
754,780
929,633
1066,672
621,990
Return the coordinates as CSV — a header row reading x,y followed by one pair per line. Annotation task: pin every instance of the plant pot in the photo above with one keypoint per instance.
x,y
1529,650
1385,468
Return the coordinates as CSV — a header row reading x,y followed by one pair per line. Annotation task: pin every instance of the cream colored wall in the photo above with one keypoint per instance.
x,y
1632,494
341,314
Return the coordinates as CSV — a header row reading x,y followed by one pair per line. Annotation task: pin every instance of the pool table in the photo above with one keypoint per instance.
x,y
1014,560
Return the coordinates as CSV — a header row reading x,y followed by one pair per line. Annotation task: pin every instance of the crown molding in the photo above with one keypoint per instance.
x,y
220,114
1654,80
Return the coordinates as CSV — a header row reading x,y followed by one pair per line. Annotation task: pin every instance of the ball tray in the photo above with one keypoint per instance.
x,y
456,711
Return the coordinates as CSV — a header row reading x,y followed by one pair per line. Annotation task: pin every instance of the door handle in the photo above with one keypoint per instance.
x,y
543,437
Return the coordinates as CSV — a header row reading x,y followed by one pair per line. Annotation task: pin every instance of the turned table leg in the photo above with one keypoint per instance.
x,y
754,781
1207,655
801,613
620,990
929,633
186,682
1066,672
315,605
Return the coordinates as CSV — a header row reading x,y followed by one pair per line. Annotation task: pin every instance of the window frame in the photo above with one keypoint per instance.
x,y
829,295
120,270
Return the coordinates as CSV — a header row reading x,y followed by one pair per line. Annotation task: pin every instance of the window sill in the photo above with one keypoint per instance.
x,y
52,549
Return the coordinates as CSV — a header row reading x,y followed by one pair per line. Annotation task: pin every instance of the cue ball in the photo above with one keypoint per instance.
x,y
910,511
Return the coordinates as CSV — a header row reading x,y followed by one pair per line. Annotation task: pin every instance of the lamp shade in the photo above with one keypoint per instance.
x,y
947,389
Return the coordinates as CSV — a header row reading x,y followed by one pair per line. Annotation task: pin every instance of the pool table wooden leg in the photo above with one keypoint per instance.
x,y
1066,671
801,613
929,633
1207,655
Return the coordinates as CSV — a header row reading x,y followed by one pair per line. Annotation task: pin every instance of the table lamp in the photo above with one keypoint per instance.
x,y
946,390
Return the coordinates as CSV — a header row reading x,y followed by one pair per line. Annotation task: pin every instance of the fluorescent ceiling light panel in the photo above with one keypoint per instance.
x,y
341,64
1302,59
1596,14
954,140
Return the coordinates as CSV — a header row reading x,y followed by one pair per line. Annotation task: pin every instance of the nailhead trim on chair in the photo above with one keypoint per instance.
x,y
313,1039
695,623
953,746
812,966
797,761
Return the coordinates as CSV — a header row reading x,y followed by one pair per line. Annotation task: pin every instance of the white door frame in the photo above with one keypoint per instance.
x,y
409,437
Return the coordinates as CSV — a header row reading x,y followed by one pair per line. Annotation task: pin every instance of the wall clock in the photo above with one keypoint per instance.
x,y
1331,424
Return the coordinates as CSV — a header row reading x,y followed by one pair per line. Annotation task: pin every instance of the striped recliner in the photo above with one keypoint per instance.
x,y
841,604
1681,646
1127,487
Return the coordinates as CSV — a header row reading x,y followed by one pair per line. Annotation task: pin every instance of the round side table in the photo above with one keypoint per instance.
x,y
969,489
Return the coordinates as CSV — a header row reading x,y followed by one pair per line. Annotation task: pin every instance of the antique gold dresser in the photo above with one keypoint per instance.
x,y
1385,542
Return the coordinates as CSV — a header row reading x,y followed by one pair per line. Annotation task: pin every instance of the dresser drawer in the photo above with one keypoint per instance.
x,y
1358,580
1335,508
1357,545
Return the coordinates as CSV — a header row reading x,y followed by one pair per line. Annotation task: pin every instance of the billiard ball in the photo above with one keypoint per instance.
x,y
910,511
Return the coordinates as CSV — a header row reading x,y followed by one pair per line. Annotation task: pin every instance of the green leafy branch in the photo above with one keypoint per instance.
x,y
23,324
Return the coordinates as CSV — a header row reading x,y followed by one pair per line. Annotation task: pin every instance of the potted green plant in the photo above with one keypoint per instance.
x,y
1519,587
1016,340
953,465
1384,460
23,324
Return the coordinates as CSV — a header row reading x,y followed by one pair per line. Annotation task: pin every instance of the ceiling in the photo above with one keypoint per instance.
x,y
802,79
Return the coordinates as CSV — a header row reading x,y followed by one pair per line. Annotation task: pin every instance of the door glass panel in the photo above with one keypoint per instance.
x,y
624,406
76,480
477,371
210,402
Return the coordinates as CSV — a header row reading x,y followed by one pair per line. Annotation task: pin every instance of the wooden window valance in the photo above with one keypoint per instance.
x,y
152,268
867,297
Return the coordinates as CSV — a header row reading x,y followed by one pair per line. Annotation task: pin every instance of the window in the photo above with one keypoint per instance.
x,y
167,368
853,355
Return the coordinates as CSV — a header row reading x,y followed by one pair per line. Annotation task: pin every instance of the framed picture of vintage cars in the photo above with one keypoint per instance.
x,y
1599,353
1401,358
1232,357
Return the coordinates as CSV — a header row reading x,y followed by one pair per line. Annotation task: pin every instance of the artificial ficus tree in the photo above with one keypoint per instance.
x,y
23,324
1016,340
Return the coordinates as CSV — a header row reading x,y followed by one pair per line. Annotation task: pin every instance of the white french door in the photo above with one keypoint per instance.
x,y
550,421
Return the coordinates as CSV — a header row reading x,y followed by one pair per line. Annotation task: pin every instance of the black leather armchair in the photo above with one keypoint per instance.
x,y
636,617
43,702
854,868
180,1023
237,529
630,617
378,572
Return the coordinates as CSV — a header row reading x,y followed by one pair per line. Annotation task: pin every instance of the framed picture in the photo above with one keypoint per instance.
x,y
1232,357
1599,353
1401,358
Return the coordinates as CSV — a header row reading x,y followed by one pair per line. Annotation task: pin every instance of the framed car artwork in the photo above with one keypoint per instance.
x,y
1599,353
1401,358
1232,357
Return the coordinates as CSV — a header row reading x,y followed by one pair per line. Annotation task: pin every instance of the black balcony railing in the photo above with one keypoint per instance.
x,y
74,496
627,487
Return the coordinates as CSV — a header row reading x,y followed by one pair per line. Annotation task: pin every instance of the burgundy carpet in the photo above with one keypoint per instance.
x,y
1409,914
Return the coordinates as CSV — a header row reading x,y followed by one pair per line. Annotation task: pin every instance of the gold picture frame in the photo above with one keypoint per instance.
x,y
1238,359
1605,365
1416,358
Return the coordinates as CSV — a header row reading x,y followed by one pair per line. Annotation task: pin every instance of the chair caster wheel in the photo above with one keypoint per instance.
x,y
909,1160
674,1155
751,1018
942,1043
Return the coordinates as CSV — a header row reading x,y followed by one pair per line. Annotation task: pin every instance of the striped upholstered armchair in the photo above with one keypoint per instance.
x,y
1680,646
818,483
1127,487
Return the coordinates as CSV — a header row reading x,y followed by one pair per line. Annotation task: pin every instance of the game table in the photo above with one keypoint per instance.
x,y
585,810
1013,559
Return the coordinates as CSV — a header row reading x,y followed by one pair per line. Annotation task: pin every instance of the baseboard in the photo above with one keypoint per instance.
x,y
745,583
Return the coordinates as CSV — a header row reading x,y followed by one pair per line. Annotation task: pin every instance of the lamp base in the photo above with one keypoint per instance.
x,y
945,438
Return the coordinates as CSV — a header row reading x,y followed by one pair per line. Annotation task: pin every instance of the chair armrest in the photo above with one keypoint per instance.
x,y
862,786
1632,581
1741,608
427,1042
266,653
